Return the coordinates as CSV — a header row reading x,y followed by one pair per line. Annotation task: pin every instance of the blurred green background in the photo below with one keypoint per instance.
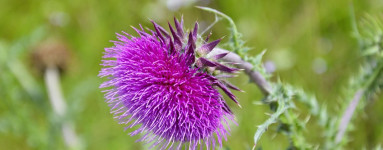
x,y
309,42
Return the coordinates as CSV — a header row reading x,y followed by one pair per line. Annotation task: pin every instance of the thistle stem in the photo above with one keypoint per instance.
x,y
255,76
52,81
347,115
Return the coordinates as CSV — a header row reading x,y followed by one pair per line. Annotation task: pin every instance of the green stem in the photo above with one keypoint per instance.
x,y
233,27
346,116
374,76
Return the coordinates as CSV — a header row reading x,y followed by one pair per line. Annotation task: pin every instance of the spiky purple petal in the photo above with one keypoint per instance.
x,y
176,38
206,48
206,62
219,56
179,27
226,68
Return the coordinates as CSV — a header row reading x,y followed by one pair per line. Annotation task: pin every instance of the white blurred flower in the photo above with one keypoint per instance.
x,y
319,65
59,19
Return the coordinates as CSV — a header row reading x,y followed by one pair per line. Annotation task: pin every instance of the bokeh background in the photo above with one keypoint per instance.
x,y
309,44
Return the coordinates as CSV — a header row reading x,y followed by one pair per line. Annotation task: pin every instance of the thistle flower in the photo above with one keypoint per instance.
x,y
167,85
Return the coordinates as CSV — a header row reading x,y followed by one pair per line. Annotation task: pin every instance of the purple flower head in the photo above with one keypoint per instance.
x,y
164,84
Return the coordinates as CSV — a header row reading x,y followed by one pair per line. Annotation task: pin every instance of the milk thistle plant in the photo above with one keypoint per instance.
x,y
167,84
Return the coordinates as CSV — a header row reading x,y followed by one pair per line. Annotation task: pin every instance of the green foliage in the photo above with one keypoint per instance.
x,y
281,98
25,100
23,96
369,79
